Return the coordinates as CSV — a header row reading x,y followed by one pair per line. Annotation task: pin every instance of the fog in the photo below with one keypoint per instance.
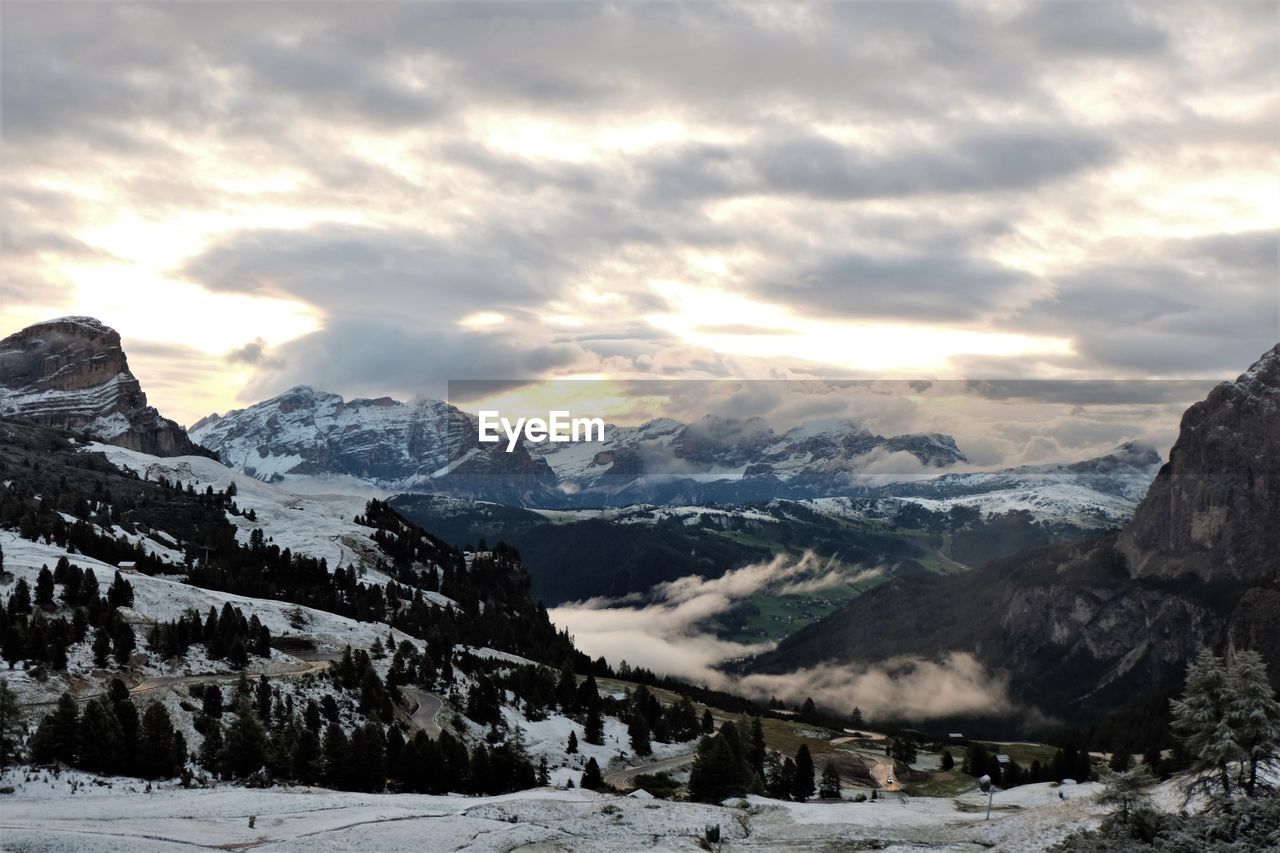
x,y
670,631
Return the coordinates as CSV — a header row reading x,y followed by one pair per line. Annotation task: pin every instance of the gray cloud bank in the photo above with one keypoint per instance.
x,y
401,167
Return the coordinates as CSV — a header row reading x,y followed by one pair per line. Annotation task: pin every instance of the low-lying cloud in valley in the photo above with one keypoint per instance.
x,y
670,631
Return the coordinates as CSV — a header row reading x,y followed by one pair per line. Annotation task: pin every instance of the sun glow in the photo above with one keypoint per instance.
x,y
746,327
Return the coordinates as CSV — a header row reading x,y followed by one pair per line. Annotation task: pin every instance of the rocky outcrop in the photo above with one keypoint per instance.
x,y
72,374
1214,509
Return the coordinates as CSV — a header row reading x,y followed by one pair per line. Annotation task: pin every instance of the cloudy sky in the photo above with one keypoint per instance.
x,y
375,199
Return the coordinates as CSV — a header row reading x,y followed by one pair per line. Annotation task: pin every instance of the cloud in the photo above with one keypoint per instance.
x,y
395,168
255,354
822,168
669,630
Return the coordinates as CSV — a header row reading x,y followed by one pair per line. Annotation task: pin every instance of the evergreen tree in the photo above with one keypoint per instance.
x,y
11,727
593,731
591,778
245,749
19,600
58,735
573,744
336,751
782,778
211,749
719,768
1200,717
948,762
102,747
368,758
161,749
829,789
211,702
1127,790
44,589
708,722
306,759
1255,718
638,730
803,788
856,718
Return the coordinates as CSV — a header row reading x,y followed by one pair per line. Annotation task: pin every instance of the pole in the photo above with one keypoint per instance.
x,y
990,793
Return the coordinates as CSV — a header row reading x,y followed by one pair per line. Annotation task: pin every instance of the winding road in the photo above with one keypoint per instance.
x,y
619,778
426,714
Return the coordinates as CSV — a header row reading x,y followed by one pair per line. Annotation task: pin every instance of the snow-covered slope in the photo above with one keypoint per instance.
x,y
77,812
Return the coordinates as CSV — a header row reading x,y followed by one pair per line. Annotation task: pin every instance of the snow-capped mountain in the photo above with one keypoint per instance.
x,y
1099,492
431,446
71,373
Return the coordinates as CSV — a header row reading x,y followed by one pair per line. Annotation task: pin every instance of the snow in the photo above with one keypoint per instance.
x,y
158,598
319,525
78,812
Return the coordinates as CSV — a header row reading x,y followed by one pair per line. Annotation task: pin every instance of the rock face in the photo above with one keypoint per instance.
x,y
1214,509
71,373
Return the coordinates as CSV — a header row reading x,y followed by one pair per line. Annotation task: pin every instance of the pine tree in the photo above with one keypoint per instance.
x,y
20,599
803,788
211,749
11,727
102,747
1126,790
211,702
58,735
638,730
44,589
1254,714
336,751
368,758
830,787
591,778
573,744
1200,717
245,747
160,754
593,731
856,718
708,722
948,762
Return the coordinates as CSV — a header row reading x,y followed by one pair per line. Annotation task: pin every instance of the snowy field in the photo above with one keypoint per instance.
x,y
78,812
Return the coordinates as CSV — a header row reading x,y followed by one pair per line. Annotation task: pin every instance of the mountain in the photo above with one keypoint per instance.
x,y
71,373
1084,628
1214,510
950,523
431,446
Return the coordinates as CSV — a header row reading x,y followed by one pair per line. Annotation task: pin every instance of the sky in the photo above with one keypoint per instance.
x,y
378,198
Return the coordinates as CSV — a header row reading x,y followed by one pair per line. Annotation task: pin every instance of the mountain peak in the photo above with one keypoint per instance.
x,y
72,373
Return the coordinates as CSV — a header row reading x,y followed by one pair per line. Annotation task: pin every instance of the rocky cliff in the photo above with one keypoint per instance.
x,y
71,373
1214,509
